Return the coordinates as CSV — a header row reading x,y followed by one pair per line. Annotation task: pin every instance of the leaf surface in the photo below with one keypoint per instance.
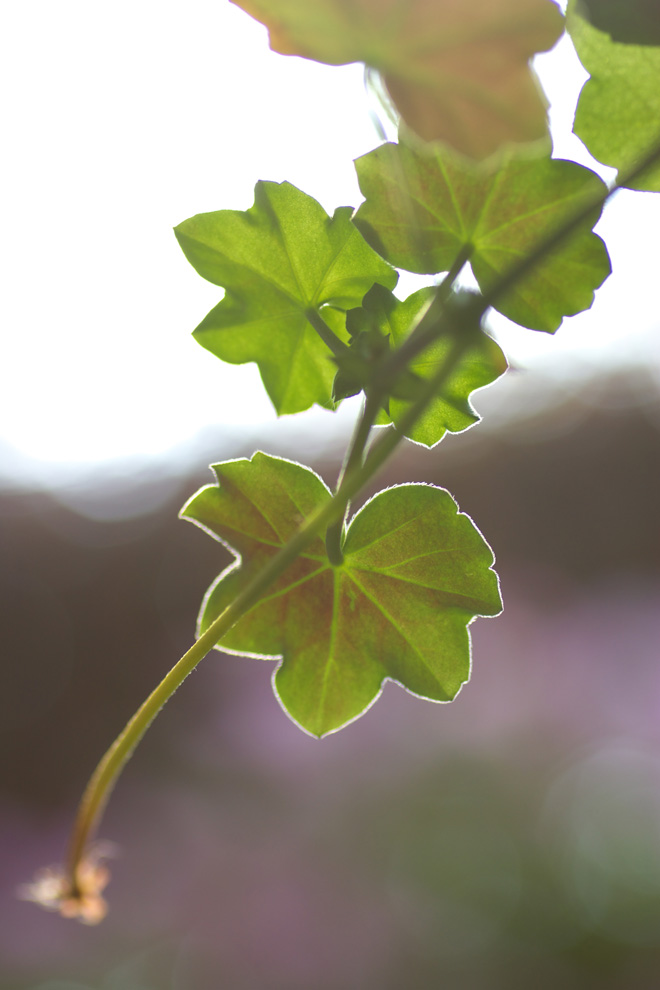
x,y
416,572
422,210
277,260
618,112
456,71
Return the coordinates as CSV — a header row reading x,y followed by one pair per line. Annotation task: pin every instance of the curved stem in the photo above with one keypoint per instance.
x,y
100,785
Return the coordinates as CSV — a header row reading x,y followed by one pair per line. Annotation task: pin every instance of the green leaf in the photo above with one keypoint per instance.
x,y
278,260
423,209
456,71
618,113
450,411
415,574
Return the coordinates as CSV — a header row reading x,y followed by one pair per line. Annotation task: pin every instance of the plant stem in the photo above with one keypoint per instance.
x,y
385,376
387,443
102,780
460,261
334,536
328,336
431,326
391,367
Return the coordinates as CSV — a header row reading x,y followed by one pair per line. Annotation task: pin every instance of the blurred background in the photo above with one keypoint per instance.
x,y
509,839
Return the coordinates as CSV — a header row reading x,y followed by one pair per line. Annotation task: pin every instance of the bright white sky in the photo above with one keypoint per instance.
x,y
123,119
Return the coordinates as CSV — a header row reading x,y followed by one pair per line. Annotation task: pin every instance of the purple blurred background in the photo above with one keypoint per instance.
x,y
510,839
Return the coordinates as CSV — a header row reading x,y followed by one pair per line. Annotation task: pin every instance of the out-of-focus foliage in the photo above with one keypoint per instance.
x,y
457,72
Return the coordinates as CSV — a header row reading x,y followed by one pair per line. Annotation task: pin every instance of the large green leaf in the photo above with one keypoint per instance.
x,y
416,572
423,209
456,71
618,113
277,260
480,365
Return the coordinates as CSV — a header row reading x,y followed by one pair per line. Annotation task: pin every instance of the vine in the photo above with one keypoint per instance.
x,y
344,600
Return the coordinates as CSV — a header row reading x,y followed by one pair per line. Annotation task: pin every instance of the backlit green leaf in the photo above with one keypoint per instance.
x,y
416,572
423,209
277,260
618,113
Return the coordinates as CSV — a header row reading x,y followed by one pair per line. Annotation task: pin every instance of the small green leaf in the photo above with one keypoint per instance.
x,y
481,364
618,112
423,209
278,260
415,574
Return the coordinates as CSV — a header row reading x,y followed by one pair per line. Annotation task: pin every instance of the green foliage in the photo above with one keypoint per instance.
x,y
423,208
619,107
390,593
415,573
309,299
278,261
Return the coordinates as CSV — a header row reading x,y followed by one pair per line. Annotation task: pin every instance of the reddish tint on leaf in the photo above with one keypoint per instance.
x,y
416,572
